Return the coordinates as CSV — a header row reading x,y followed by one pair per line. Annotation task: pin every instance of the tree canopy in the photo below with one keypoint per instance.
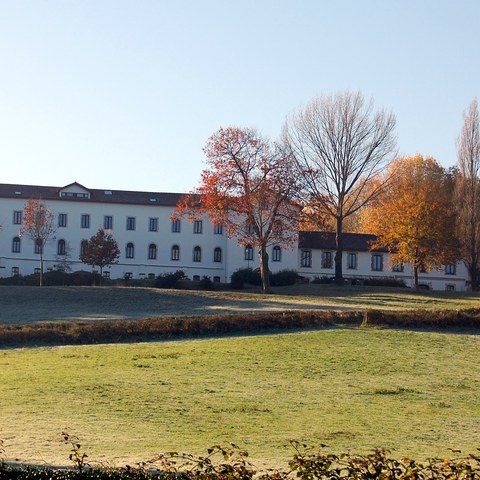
x,y
101,250
247,187
414,218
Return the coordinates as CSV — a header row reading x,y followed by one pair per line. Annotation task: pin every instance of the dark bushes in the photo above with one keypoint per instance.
x,y
169,280
246,275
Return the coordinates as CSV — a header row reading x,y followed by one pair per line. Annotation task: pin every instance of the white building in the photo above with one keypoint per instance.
x,y
151,243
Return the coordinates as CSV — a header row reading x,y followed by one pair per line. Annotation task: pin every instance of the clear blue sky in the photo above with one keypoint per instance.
x,y
124,94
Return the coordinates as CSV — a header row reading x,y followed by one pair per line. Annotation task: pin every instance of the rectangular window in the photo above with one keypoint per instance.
x,y
248,253
450,269
108,222
218,229
36,271
306,259
17,217
352,261
130,223
153,224
38,248
377,262
85,221
15,271
197,226
62,219
176,226
398,267
276,254
106,274
327,260
450,288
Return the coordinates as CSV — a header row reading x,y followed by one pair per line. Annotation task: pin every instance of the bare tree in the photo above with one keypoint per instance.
x,y
339,146
467,192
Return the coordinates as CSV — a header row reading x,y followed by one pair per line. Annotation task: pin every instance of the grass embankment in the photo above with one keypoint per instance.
x,y
413,392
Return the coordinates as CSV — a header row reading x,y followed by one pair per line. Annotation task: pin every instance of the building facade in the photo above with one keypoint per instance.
x,y
152,243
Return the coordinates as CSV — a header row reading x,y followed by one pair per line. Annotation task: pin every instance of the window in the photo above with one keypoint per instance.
x,y
327,260
106,274
36,271
128,275
451,269
15,271
85,221
38,247
306,258
16,245
216,279
129,250
197,254
248,229
196,278
61,247
422,268
62,219
108,222
130,223
153,224
151,276
398,267
217,255
218,229
450,288
17,217
152,252
276,254
175,253
377,262
352,261
248,252
176,226
197,226
83,247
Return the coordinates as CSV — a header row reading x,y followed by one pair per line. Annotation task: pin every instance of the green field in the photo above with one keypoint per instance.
x,y
416,393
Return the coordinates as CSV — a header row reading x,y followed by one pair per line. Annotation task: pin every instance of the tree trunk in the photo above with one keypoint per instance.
x,y
264,272
41,267
415,277
339,252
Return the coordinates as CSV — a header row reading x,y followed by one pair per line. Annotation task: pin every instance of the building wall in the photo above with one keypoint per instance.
x,y
455,279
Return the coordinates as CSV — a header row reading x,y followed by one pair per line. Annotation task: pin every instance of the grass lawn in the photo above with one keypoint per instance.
x,y
414,392
32,304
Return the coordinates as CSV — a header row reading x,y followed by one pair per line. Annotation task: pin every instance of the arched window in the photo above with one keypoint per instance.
x,y
152,252
276,254
61,247
16,245
248,252
83,247
129,250
197,254
175,253
217,254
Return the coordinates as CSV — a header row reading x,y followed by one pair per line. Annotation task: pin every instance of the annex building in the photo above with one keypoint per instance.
x,y
152,243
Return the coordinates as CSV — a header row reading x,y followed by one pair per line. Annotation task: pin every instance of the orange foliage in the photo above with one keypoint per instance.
x,y
414,217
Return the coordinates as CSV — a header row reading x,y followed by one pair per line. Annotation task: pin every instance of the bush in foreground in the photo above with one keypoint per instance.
x,y
230,463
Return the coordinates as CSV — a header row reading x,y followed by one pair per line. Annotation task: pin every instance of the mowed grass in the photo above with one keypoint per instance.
x,y
32,304
416,393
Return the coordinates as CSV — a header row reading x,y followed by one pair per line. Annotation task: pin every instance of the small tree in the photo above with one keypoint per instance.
x,y
247,187
39,225
100,250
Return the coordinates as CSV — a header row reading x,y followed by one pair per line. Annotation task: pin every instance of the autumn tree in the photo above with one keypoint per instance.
x,y
247,187
414,217
39,225
101,250
339,146
467,193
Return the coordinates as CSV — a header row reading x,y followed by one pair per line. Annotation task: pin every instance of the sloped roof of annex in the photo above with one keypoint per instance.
x,y
356,242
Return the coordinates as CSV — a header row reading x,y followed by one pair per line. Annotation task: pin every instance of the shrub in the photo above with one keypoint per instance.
x,y
206,283
323,280
283,278
384,282
242,276
169,280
